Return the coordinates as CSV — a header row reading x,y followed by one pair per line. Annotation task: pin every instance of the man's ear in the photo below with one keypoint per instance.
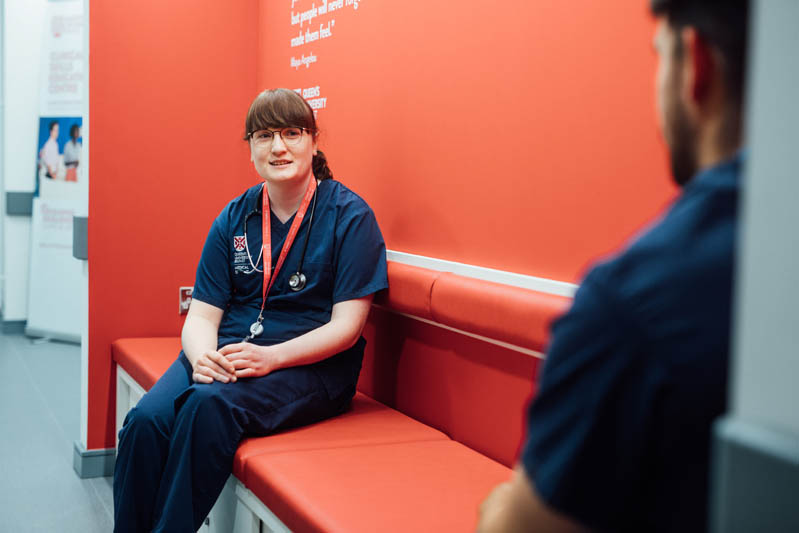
x,y
698,66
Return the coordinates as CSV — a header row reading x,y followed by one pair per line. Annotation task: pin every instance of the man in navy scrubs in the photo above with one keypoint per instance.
x,y
619,434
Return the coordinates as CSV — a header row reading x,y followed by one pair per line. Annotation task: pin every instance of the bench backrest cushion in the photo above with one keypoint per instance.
x,y
509,314
472,390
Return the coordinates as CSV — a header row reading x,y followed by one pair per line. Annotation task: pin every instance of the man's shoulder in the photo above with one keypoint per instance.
x,y
647,337
682,264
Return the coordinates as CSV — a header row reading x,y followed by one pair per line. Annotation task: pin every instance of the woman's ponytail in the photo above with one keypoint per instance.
x,y
319,165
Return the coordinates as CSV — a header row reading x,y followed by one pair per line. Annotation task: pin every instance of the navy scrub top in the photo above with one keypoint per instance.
x,y
345,260
619,434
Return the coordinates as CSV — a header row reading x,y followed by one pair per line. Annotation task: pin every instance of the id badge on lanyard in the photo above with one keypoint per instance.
x,y
257,327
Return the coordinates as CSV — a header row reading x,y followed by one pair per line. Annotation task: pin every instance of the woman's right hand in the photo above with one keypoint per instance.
x,y
212,365
199,344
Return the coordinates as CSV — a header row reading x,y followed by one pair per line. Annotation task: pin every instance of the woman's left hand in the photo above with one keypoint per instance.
x,y
250,360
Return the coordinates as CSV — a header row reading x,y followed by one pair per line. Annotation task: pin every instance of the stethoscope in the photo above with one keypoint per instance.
x,y
297,281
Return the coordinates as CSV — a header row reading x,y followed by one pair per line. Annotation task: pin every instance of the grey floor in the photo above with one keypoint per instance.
x,y
39,423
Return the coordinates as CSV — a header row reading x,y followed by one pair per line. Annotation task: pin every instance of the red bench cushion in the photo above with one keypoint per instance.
x,y
409,290
146,359
471,390
367,422
418,486
509,314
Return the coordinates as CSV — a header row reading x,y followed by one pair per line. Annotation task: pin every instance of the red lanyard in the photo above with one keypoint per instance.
x,y
266,227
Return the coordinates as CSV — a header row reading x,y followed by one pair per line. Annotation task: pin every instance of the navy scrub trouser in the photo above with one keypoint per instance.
x,y
176,447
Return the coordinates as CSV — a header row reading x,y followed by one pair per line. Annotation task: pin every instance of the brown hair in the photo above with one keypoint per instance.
x,y
282,108
723,24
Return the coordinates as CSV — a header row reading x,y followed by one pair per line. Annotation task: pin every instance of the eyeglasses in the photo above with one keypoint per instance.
x,y
290,136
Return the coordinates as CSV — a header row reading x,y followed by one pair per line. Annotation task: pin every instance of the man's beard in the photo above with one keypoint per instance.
x,y
682,151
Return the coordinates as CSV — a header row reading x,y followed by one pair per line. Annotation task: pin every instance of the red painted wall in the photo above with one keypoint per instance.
x,y
170,83
516,135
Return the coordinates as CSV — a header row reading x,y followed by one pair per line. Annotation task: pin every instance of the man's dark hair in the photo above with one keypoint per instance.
x,y
53,124
723,24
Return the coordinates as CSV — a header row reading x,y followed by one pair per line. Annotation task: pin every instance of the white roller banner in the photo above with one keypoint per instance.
x,y
54,304
55,280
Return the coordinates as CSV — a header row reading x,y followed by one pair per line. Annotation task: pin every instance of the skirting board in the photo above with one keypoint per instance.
x,y
12,327
93,463
66,337
755,478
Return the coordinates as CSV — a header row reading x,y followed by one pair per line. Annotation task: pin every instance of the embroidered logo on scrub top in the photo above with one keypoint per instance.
x,y
241,265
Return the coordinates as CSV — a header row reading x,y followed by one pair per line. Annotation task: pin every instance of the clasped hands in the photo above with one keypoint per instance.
x,y
240,360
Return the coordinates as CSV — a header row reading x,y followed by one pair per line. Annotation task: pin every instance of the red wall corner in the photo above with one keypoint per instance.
x,y
170,84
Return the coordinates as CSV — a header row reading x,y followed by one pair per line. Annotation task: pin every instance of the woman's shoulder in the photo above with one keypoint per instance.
x,y
245,200
342,197
239,206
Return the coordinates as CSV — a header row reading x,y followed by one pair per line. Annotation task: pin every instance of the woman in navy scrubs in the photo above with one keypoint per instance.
x,y
250,365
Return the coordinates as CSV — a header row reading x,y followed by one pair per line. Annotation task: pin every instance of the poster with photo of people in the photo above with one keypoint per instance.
x,y
60,149
57,285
